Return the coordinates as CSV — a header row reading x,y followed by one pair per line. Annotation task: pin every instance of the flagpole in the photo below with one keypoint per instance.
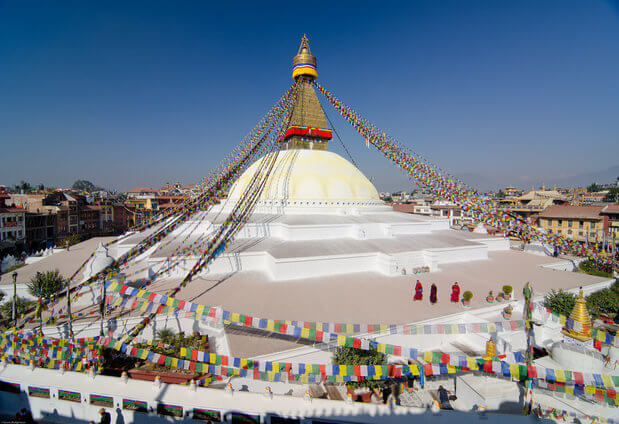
x,y
69,315
102,306
528,325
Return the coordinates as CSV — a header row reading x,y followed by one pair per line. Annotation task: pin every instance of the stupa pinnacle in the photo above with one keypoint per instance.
x,y
308,126
581,315
304,63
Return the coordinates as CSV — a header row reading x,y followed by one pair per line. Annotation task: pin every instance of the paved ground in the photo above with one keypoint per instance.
x,y
369,297
65,262
359,298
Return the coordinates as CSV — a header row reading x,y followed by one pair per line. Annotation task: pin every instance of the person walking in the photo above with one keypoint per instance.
x,y
106,418
418,291
455,292
433,294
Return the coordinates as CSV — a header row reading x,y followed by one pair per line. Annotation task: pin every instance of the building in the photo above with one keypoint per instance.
x,y
12,224
144,208
512,191
611,223
532,203
141,192
580,223
593,197
41,230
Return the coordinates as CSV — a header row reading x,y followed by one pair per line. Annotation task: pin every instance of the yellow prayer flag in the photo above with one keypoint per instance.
x,y
560,376
514,370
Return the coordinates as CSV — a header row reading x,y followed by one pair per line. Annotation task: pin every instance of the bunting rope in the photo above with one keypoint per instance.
x,y
429,176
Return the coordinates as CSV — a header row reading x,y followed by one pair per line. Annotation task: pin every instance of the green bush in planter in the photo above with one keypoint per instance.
x,y
467,295
508,290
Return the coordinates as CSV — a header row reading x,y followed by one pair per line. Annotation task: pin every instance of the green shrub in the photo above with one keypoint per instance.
x,y
592,268
603,302
46,284
467,295
560,302
22,305
508,289
352,356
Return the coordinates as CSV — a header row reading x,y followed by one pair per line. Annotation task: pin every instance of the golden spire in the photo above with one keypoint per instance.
x,y
304,63
580,314
490,349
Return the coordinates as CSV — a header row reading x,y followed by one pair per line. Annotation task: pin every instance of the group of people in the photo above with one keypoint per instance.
x,y
418,292
23,416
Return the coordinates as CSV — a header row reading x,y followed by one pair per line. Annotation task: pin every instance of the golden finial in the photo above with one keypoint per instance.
x,y
304,63
580,314
490,349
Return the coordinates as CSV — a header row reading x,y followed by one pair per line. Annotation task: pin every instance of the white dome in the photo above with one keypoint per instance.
x,y
311,178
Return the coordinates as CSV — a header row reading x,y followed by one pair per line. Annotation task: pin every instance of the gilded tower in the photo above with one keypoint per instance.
x,y
308,126
579,314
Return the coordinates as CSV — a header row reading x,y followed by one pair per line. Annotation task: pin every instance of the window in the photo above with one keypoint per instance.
x,y
569,224
581,224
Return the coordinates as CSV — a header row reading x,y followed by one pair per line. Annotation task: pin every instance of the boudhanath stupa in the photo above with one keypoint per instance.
x,y
321,247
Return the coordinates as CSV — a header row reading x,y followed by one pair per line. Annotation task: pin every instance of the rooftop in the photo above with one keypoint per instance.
x,y
565,211
141,190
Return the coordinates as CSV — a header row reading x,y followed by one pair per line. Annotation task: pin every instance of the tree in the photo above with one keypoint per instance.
x,y
83,185
352,356
46,284
603,302
594,188
23,185
500,194
22,305
560,302
613,195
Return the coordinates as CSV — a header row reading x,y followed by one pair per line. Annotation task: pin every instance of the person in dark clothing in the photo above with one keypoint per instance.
x,y
106,418
433,294
443,398
26,416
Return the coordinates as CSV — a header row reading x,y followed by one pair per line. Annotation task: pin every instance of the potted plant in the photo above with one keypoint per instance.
x,y
508,291
466,298
499,297
490,297
507,312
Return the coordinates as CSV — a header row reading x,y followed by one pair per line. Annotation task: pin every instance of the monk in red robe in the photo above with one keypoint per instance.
x,y
418,291
455,292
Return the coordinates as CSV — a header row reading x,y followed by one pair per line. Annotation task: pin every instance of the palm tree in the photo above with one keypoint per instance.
x,y
46,284
166,335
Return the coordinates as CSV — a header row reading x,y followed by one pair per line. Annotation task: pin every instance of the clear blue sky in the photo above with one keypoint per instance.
x,y
139,93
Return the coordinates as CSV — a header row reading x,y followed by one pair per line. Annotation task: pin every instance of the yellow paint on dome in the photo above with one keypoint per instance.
x,y
314,175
